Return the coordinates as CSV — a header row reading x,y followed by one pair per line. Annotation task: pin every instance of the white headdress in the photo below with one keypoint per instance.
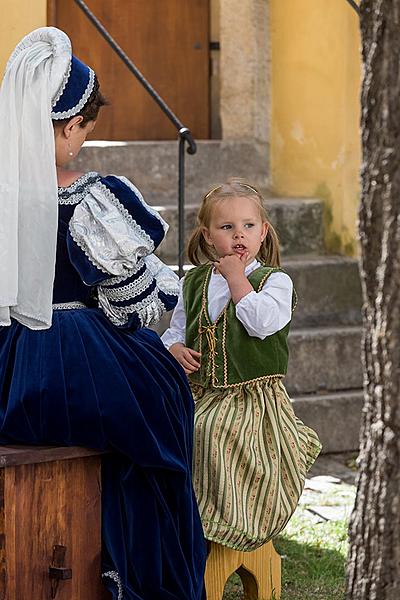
x,y
38,85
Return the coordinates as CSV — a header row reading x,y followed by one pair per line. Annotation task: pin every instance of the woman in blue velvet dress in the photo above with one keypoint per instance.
x,y
79,285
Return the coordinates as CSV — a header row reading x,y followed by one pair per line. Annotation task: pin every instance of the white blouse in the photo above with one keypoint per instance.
x,y
261,313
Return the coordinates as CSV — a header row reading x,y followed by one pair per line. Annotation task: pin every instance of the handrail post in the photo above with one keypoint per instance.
x,y
181,206
184,136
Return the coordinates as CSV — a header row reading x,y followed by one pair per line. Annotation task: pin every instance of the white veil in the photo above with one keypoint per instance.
x,y
34,77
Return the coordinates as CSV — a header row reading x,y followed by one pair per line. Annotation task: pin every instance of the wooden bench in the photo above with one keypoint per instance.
x,y
260,572
50,524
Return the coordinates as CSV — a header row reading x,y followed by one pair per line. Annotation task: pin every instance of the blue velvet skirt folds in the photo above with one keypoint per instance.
x,y
83,382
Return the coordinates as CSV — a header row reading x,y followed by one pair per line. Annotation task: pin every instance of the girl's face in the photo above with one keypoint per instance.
x,y
236,227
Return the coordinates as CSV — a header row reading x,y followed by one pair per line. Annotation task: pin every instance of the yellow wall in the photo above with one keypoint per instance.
x,y
18,17
315,83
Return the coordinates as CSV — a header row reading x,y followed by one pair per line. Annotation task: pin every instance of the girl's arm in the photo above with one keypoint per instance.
x,y
268,311
177,328
174,338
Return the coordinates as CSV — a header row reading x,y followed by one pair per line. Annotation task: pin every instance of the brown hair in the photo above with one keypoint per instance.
x,y
198,249
90,110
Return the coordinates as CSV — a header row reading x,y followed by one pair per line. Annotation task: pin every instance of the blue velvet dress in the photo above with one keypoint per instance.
x,y
98,378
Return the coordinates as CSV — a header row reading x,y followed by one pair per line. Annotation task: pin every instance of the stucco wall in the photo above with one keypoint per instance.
x,y
315,85
18,17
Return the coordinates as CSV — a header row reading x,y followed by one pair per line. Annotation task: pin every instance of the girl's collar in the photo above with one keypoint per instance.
x,y
252,266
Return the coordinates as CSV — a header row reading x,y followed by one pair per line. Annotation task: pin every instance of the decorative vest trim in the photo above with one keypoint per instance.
x,y
230,356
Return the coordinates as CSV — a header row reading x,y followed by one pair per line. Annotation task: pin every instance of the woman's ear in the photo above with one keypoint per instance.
x,y
68,128
206,235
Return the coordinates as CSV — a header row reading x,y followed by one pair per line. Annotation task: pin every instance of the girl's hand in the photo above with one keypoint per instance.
x,y
186,357
231,265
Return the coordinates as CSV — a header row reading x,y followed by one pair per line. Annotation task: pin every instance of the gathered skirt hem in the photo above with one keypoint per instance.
x,y
251,457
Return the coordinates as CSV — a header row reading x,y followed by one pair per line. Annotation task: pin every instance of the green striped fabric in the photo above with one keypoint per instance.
x,y
251,455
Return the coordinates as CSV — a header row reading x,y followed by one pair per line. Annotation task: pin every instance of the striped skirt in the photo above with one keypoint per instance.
x,y
251,456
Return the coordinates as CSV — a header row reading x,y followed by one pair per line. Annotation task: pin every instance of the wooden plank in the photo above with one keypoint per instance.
x,y
47,504
169,43
3,557
22,455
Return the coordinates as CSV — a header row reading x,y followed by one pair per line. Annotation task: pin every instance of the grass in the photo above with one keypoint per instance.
x,y
314,556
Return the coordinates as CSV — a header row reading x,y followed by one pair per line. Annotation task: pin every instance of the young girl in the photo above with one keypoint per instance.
x,y
229,332
79,283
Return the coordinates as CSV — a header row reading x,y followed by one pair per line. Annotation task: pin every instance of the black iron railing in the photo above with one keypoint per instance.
x,y
184,133
354,5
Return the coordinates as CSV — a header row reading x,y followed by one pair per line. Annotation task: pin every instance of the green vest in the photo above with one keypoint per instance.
x,y
230,356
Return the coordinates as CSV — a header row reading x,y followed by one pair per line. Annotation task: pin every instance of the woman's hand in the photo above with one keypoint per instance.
x,y
186,357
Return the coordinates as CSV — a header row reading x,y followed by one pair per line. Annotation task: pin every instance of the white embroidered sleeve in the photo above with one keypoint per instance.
x,y
268,311
177,328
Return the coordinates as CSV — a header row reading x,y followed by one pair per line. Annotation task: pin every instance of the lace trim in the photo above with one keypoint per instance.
x,y
114,575
75,109
82,180
117,280
167,280
68,305
81,244
72,199
138,193
152,313
63,84
127,216
134,288
149,310
76,192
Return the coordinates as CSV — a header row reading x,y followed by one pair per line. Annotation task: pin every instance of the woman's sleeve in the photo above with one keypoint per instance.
x,y
111,237
140,300
111,229
268,311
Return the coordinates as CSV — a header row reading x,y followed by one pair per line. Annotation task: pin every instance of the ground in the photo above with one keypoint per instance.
x,y
314,544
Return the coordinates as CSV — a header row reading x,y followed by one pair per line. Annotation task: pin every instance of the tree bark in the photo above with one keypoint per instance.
x,y
374,555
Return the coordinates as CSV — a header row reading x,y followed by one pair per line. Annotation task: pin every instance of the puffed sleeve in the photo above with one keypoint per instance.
x,y
111,229
111,238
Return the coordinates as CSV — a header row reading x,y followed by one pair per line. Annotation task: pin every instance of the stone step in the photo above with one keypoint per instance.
x,y
335,417
328,290
298,221
324,360
153,166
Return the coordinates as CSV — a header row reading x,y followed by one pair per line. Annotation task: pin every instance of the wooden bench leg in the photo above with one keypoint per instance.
x,y
221,563
265,565
260,572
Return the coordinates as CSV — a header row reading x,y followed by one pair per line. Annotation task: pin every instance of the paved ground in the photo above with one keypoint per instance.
x,y
330,488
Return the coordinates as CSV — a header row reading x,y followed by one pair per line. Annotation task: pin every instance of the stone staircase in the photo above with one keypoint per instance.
x,y
325,376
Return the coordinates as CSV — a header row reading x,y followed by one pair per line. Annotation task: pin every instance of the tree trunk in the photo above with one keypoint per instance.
x,y
374,556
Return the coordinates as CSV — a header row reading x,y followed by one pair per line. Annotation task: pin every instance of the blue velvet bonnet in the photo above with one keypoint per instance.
x,y
78,86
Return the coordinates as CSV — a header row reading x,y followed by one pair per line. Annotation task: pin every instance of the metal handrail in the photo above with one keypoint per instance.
x,y
185,136
354,5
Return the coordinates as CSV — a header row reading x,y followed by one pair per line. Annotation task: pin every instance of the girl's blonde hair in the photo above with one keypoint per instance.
x,y
198,249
